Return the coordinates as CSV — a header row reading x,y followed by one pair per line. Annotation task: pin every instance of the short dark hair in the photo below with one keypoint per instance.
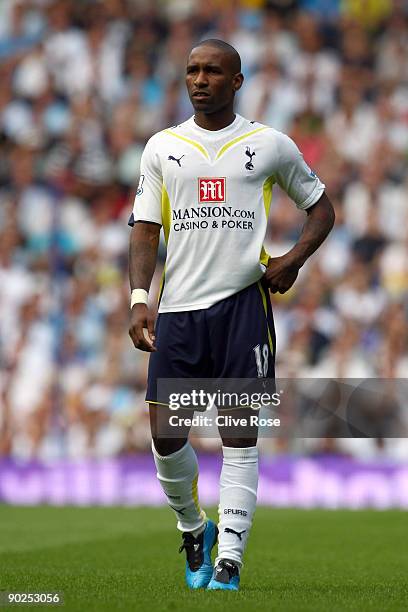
x,y
227,48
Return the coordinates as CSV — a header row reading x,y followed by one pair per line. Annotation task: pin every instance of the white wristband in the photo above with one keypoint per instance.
x,y
138,296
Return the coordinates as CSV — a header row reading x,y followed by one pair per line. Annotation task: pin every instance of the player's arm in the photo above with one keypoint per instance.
x,y
144,242
282,271
143,247
303,186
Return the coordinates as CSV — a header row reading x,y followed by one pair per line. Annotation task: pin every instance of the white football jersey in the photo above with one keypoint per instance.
x,y
211,191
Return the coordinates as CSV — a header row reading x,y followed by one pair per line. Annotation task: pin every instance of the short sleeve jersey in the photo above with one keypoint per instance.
x,y
211,191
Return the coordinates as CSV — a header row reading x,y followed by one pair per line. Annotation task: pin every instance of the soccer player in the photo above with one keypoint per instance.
x,y
208,182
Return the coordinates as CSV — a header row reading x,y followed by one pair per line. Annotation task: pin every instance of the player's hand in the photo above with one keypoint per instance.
x,y
140,319
281,273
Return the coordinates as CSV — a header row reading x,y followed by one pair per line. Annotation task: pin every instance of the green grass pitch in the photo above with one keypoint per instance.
x,y
127,559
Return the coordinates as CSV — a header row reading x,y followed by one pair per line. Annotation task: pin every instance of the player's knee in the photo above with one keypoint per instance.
x,y
239,442
167,446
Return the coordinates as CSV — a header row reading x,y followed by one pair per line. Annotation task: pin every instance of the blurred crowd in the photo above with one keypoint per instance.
x,y
84,84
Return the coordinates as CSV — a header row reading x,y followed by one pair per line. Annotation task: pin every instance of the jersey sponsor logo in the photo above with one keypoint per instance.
x,y
235,511
172,158
205,217
249,165
139,190
212,190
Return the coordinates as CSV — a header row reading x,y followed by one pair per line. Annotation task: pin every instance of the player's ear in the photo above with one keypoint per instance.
x,y
237,81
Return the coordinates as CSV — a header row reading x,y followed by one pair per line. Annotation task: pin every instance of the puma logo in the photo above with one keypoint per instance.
x,y
178,510
172,158
237,533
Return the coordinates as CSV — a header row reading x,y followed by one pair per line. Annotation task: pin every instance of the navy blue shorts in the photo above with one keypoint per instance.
x,y
234,338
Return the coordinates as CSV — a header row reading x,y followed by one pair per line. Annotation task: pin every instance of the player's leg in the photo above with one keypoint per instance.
x,y
177,469
175,458
249,353
238,493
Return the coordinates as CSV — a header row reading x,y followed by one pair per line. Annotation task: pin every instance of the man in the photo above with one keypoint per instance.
x,y
208,182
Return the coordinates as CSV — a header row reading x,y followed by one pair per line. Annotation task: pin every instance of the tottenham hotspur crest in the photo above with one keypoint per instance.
x,y
249,165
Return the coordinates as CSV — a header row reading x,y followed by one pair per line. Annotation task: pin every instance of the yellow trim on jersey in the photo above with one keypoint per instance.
x,y
193,143
264,257
267,194
267,199
238,139
166,223
161,285
156,403
165,213
266,315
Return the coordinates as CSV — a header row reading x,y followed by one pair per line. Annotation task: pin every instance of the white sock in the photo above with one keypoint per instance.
x,y
238,488
178,476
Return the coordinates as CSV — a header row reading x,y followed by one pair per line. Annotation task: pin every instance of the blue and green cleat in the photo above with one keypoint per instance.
x,y
225,577
199,567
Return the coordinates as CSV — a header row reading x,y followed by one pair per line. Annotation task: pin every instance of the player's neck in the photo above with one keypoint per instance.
x,y
215,121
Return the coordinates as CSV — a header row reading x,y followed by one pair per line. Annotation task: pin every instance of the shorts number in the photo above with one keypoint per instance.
x,y
262,368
